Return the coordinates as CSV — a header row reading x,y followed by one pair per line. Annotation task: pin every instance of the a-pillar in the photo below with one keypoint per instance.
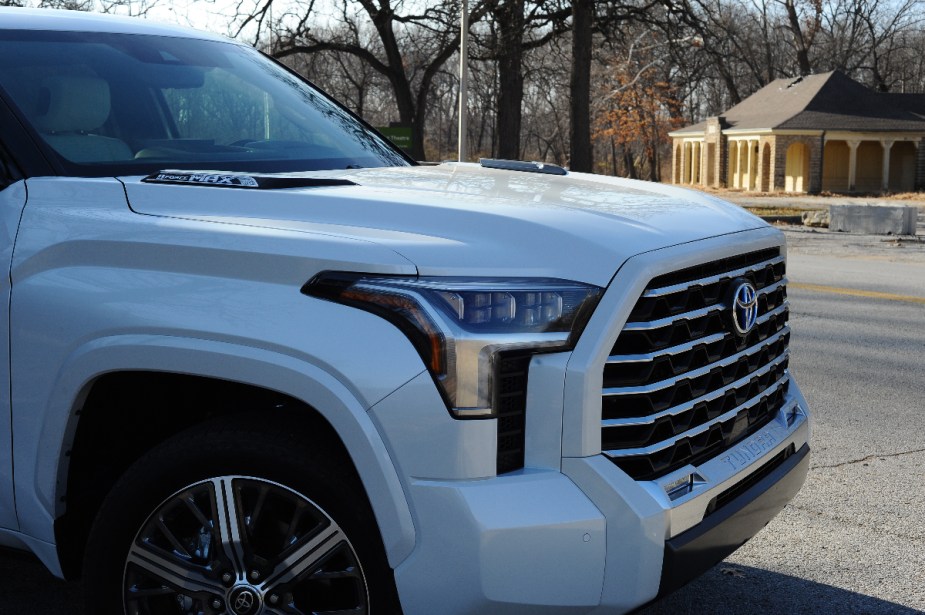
x,y
885,173
852,163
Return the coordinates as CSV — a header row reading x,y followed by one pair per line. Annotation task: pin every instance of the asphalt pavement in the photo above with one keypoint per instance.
x,y
853,541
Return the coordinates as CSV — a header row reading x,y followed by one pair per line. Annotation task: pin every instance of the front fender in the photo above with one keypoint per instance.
x,y
39,505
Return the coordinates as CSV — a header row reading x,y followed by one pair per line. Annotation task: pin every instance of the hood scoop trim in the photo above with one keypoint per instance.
x,y
234,180
521,165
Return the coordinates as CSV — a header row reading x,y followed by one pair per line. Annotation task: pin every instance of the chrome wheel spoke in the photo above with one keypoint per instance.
x,y
137,592
172,538
254,517
230,537
308,556
171,571
229,524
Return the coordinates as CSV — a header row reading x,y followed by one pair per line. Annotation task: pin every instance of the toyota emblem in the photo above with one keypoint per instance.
x,y
244,601
744,308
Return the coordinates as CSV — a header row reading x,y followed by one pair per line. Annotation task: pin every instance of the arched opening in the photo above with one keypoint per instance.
x,y
902,167
752,165
766,168
731,158
743,165
796,178
835,166
870,167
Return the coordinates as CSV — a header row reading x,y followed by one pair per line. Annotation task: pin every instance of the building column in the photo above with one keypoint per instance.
x,y
732,156
699,159
750,176
674,162
852,163
703,163
738,167
760,170
693,176
885,176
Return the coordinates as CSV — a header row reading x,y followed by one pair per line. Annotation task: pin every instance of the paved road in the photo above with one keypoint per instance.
x,y
854,539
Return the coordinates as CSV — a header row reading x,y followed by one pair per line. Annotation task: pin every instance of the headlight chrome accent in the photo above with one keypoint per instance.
x,y
460,325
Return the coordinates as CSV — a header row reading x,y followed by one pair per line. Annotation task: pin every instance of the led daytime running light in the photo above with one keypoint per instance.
x,y
460,325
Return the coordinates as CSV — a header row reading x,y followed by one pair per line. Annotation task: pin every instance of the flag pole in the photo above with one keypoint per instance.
x,y
463,80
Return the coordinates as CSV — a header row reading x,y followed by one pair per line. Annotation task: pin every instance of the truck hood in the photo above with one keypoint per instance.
x,y
462,219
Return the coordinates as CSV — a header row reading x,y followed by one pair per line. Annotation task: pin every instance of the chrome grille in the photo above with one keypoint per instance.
x,y
681,385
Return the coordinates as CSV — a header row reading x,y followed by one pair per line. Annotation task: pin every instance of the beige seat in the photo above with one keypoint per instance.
x,y
76,107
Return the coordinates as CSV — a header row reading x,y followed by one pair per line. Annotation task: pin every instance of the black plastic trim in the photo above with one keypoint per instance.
x,y
20,145
693,552
523,166
242,180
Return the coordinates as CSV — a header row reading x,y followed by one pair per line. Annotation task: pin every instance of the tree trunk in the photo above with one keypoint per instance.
x,y
580,151
801,40
510,19
404,97
630,163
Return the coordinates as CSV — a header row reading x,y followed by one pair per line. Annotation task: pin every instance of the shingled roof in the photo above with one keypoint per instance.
x,y
827,101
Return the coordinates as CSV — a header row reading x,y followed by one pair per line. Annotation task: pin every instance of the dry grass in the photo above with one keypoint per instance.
x,y
906,196
775,211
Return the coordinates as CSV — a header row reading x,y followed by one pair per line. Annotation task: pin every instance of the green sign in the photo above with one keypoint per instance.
x,y
399,135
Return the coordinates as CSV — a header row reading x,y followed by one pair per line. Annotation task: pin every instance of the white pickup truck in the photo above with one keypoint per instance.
x,y
261,362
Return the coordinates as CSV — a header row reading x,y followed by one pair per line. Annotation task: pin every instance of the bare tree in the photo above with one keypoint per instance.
x,y
872,40
411,49
580,152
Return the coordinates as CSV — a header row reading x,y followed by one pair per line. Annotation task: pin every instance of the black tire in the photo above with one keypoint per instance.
x,y
164,541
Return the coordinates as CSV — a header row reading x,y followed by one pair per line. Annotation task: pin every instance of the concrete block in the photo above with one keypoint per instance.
x,y
873,219
818,218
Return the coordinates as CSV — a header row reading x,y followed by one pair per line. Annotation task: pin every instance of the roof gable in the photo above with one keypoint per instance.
x,y
776,102
827,101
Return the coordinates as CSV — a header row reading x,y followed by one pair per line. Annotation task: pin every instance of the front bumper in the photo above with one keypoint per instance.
x,y
692,553
588,539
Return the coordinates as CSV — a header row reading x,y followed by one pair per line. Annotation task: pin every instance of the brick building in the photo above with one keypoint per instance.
x,y
809,134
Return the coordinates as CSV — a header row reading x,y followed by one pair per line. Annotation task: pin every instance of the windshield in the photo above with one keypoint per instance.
x,y
112,104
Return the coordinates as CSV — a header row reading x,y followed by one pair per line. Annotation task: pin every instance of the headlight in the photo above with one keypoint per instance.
x,y
460,325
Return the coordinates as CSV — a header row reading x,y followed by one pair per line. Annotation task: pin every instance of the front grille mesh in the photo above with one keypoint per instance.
x,y
510,404
681,385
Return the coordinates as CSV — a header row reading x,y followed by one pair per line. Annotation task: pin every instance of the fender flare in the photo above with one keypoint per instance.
x,y
226,361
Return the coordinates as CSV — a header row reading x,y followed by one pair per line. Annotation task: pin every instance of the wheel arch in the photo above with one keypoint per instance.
x,y
68,484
